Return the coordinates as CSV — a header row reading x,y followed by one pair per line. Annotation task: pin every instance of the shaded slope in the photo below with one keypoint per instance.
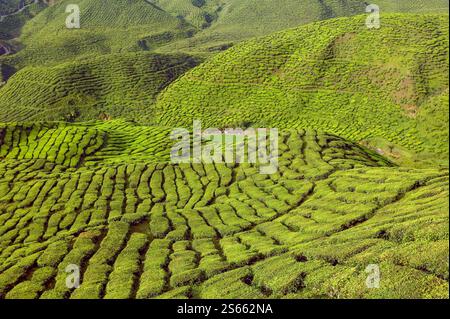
x,y
12,19
109,86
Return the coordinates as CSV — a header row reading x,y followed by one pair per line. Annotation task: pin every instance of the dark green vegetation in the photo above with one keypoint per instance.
x,y
85,172
13,16
146,228
86,89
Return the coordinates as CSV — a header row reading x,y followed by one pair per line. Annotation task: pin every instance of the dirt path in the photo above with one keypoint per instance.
x,y
4,49
22,6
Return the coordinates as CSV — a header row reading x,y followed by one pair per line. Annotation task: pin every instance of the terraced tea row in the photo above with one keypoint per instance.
x,y
62,145
87,90
242,246
147,228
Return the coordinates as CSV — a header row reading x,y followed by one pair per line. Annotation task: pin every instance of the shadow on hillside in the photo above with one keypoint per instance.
x,y
6,71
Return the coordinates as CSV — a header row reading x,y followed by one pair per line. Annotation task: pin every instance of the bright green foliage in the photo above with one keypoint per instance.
x,y
105,27
83,182
333,208
194,27
336,76
236,20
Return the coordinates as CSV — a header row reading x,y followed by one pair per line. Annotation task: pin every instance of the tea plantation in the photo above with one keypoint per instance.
x,y
86,89
105,196
336,76
86,176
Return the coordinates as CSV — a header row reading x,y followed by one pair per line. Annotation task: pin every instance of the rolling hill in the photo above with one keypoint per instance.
x,y
106,27
201,26
85,89
236,20
50,51
336,75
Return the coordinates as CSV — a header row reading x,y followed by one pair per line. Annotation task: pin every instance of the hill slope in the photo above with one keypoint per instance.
x,y
335,75
109,85
201,26
236,20
105,27
135,26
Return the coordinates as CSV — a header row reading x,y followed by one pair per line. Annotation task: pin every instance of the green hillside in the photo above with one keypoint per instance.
x,y
85,89
124,26
336,76
86,123
106,27
104,196
200,26
236,20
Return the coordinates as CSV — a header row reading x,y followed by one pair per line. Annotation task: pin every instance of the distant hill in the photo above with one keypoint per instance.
x,y
114,85
196,26
236,20
335,75
106,27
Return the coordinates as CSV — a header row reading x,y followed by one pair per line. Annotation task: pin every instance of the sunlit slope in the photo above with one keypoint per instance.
x,y
201,26
335,75
105,196
115,85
